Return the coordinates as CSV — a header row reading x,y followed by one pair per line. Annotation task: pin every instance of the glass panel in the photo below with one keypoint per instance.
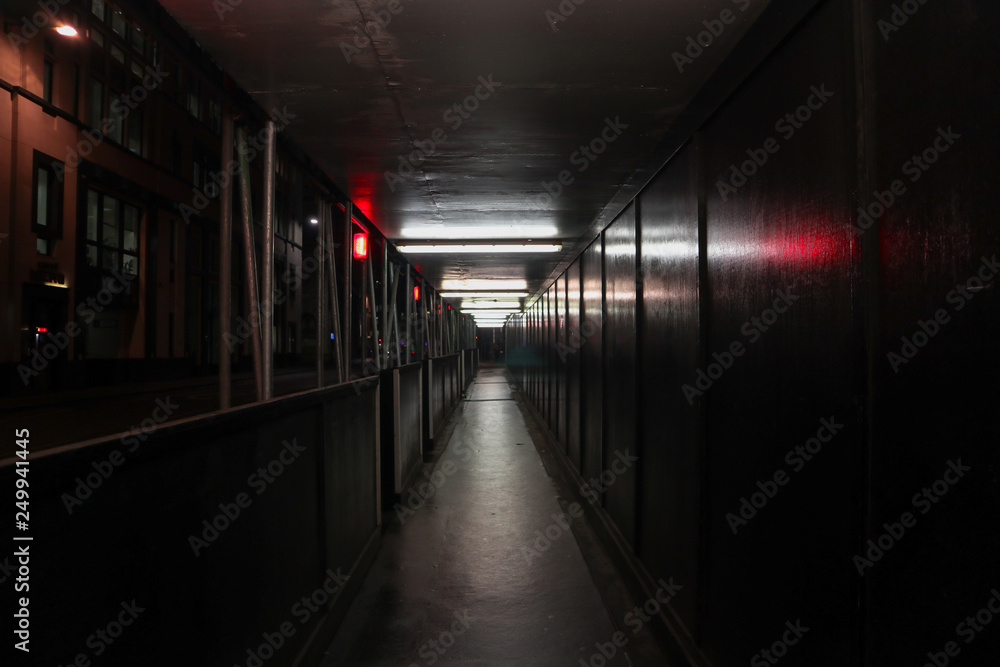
x,y
110,234
135,132
116,126
117,54
97,7
93,216
130,266
111,260
92,255
118,23
42,198
138,40
98,37
47,82
137,68
131,229
95,103
42,245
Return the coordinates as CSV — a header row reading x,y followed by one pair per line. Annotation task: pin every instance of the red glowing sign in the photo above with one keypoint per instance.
x,y
360,246
41,330
416,292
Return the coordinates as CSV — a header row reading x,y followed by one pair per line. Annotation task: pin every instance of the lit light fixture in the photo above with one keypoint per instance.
x,y
502,312
314,221
416,292
483,295
487,305
479,248
480,232
484,284
67,31
360,246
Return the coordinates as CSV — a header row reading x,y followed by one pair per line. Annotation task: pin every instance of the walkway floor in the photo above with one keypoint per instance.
x,y
458,580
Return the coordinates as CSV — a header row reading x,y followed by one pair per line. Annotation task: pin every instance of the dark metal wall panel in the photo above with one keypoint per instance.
x,y
780,270
552,302
935,97
592,362
670,470
572,363
407,435
559,360
277,470
620,371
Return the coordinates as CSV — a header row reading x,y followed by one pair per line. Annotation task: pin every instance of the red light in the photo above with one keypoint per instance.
x,y
41,330
416,292
360,246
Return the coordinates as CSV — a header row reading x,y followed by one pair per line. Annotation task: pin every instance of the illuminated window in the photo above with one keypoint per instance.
x,y
46,219
111,244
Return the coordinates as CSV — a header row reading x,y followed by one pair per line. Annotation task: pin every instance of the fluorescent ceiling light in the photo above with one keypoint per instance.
x,y
484,284
477,248
490,325
480,232
483,295
486,305
486,314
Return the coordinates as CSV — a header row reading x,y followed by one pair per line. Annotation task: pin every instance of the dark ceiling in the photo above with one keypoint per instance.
x,y
369,87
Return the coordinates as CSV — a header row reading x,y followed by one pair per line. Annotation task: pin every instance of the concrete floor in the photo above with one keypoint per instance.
x,y
459,580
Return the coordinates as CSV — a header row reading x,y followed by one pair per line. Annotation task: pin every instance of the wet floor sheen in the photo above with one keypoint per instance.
x,y
463,578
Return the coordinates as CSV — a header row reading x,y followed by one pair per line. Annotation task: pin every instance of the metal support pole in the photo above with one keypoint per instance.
x,y
268,277
409,314
392,325
250,259
377,353
320,294
338,327
386,328
347,317
225,264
